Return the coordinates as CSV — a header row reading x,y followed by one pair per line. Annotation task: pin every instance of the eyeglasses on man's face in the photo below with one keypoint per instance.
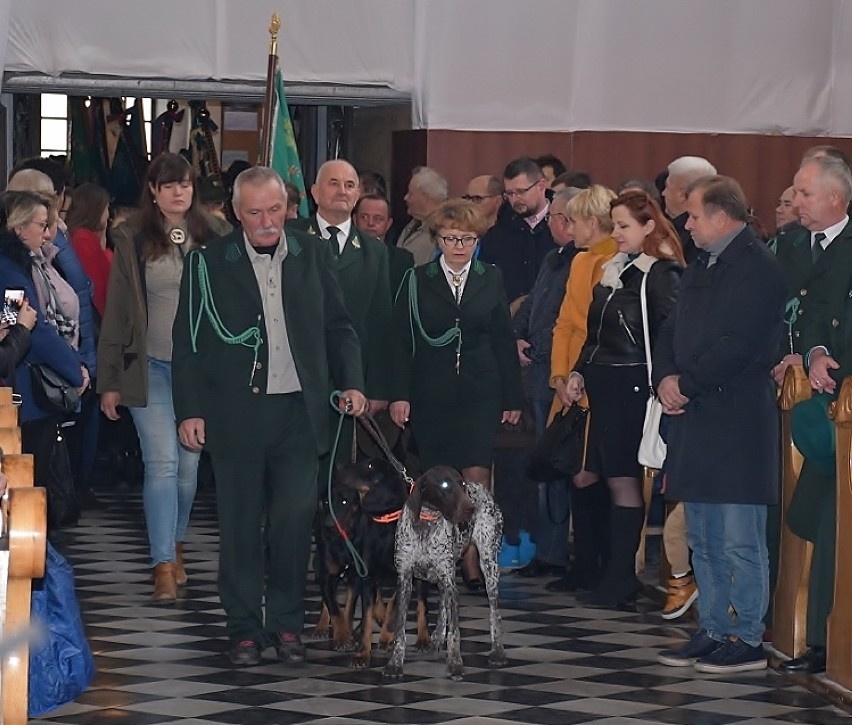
x,y
554,215
477,198
512,193
449,240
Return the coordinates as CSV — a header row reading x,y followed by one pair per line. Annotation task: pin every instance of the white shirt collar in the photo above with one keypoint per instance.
x,y
344,226
449,275
831,232
279,254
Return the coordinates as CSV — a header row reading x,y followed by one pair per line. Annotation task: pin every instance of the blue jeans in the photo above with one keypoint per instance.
x,y
170,470
554,506
731,565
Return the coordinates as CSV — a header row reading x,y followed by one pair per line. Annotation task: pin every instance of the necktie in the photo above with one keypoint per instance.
x,y
817,249
332,240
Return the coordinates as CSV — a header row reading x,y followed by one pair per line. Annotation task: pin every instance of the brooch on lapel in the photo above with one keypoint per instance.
x,y
177,235
312,231
356,242
432,269
232,253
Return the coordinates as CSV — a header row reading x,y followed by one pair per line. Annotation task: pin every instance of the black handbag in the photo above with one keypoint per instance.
x,y
51,392
559,452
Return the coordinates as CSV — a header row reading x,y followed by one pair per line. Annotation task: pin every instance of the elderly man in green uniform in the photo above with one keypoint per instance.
x,y
260,336
818,265
361,262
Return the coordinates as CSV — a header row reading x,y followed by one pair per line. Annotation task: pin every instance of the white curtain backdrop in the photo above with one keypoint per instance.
x,y
5,9
728,66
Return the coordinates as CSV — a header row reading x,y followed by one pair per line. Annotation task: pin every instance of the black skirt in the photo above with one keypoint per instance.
x,y
617,398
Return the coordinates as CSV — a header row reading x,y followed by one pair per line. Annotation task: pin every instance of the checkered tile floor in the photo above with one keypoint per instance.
x,y
567,664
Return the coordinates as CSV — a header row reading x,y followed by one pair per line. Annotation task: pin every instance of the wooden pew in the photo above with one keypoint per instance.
x,y
839,644
25,520
790,602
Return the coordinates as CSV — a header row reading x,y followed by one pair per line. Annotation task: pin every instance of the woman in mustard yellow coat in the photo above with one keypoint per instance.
x,y
591,224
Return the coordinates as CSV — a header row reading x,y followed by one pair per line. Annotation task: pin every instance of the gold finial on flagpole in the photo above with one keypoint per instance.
x,y
269,95
274,27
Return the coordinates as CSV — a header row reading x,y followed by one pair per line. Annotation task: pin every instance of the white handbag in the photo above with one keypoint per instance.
x,y
652,448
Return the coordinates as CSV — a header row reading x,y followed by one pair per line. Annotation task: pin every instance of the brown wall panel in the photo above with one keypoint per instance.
x,y
763,164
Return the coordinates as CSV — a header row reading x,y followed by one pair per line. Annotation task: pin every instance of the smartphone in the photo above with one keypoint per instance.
x,y
13,300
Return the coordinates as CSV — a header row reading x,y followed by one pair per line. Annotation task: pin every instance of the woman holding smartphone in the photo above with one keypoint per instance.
x,y
15,330
25,226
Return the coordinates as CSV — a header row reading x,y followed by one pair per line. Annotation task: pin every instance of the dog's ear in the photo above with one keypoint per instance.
x,y
415,498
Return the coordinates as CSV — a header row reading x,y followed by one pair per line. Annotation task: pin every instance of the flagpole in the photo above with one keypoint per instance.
x,y
269,98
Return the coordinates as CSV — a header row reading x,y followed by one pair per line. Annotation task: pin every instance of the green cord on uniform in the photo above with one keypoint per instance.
x,y
414,318
250,337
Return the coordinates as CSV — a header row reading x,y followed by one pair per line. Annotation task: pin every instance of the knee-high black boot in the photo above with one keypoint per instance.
x,y
589,512
619,584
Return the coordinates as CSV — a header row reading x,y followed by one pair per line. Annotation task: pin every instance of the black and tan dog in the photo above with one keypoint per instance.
x,y
427,547
368,498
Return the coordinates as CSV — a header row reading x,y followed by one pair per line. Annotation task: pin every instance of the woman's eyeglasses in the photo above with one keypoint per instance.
x,y
468,240
44,225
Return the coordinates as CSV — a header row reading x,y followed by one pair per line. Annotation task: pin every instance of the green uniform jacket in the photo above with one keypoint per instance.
x,y
825,299
122,343
218,381
824,317
399,262
362,271
455,415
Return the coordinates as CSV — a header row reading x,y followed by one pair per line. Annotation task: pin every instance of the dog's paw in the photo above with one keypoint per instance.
x,y
385,642
345,644
321,633
423,645
392,672
497,658
360,661
455,671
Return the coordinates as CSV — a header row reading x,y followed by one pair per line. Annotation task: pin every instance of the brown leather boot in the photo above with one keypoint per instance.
x,y
165,586
180,572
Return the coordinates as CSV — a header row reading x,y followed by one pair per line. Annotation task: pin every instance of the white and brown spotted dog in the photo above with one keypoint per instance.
x,y
455,513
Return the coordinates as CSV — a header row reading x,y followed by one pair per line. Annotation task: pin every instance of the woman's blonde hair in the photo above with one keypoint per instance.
x,y
593,202
20,207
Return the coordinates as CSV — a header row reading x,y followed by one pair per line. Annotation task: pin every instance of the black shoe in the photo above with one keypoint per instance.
x,y
810,663
539,568
474,586
88,499
290,648
245,653
573,581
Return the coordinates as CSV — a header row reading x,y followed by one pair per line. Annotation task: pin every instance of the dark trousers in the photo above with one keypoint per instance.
x,y
275,473
38,437
812,515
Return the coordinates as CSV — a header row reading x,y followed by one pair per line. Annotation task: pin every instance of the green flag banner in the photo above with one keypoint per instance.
x,y
283,154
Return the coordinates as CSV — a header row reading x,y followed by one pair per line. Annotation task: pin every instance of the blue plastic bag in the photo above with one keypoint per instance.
x,y
61,665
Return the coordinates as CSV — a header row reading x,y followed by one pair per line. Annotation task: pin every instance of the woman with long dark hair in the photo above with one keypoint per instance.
x,y
135,349
612,370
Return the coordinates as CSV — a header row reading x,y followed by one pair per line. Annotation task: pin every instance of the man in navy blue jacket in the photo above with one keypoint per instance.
x,y
711,369
519,241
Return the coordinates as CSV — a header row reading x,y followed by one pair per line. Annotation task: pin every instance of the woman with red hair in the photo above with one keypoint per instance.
x,y
612,370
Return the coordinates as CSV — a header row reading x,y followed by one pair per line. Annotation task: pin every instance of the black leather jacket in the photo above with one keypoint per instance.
x,y
615,334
